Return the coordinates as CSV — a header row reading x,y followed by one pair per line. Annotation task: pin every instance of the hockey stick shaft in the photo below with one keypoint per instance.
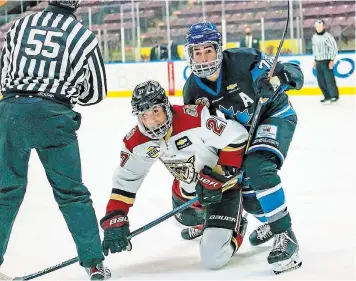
x,y
270,74
262,101
229,184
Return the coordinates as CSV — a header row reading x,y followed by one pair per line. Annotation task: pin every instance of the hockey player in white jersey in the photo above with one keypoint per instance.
x,y
200,150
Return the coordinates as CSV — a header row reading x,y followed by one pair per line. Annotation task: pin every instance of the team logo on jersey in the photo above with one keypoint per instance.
x,y
182,170
153,151
190,110
232,88
202,101
183,142
131,133
243,117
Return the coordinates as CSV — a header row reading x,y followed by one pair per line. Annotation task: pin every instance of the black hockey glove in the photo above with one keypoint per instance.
x,y
209,186
268,88
116,231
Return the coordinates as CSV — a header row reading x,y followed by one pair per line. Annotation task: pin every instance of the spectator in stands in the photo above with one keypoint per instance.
x,y
155,52
249,40
158,52
324,52
174,50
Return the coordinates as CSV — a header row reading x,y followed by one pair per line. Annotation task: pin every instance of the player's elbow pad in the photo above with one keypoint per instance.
x,y
232,155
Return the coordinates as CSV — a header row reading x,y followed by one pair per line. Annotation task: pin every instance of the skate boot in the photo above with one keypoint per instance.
x,y
335,99
192,232
98,272
284,254
261,235
238,237
325,101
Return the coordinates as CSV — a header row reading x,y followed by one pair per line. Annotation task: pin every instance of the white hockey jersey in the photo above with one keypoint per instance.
x,y
193,141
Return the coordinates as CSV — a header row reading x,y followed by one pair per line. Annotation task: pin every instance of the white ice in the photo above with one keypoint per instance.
x,y
318,177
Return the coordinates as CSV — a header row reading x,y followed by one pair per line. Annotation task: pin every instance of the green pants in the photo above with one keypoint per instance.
x,y
326,80
264,195
50,128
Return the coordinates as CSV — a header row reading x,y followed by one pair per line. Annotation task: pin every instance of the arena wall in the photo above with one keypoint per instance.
x,y
122,77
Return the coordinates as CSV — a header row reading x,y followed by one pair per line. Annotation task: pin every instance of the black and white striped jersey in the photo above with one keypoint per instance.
x,y
51,54
324,46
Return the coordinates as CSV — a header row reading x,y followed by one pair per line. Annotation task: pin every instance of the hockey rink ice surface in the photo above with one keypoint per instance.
x,y
318,178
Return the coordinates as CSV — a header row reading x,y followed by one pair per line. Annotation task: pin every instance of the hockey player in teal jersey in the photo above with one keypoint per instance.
x,y
231,82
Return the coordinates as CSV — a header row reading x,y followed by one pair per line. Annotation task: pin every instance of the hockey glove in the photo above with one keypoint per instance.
x,y
209,186
267,88
116,231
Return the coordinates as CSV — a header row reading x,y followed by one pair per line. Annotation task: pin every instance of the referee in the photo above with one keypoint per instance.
x,y
49,63
325,51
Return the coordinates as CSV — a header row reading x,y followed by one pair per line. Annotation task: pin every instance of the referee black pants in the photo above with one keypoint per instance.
x,y
326,80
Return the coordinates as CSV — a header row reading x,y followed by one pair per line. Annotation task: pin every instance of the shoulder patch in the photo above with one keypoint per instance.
x,y
190,109
131,133
203,101
135,138
186,117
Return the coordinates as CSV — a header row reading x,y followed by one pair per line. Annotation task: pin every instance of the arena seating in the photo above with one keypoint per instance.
x,y
338,15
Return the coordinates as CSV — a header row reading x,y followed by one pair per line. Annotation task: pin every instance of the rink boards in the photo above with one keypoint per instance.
x,y
122,78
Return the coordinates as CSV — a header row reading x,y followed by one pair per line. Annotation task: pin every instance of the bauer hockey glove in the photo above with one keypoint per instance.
x,y
116,230
209,186
267,88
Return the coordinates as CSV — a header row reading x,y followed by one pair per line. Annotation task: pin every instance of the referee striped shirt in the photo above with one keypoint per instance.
x,y
324,47
52,55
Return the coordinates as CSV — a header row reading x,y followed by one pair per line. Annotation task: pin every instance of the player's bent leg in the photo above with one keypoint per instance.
x,y
193,216
224,230
215,247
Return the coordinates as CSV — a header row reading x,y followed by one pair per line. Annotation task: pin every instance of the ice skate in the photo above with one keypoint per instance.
x,y
284,255
261,235
192,232
98,272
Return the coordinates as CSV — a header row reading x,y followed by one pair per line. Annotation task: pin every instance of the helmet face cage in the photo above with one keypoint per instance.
x,y
205,69
72,4
162,130
145,96
202,34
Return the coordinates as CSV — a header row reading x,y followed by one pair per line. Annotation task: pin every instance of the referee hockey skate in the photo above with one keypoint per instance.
x,y
285,253
98,272
261,235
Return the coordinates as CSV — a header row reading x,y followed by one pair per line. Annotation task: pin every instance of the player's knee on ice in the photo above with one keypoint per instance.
x,y
215,247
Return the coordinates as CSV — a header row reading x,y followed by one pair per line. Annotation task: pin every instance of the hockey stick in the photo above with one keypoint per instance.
x,y
262,101
228,185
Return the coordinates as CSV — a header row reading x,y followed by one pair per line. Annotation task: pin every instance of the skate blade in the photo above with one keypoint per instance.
x,y
287,265
289,269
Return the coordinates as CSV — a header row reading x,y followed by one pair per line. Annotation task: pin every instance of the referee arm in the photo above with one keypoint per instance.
x,y
95,87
